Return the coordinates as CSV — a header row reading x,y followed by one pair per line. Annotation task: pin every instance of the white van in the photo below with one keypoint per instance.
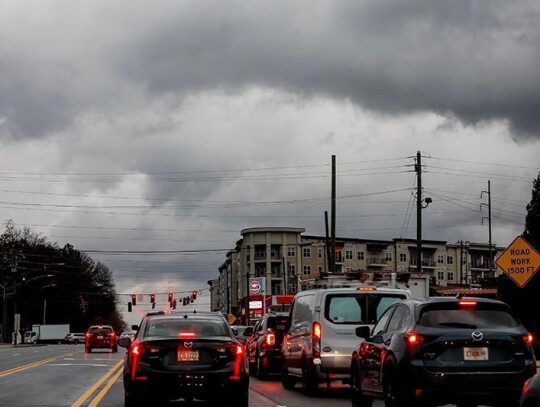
x,y
320,332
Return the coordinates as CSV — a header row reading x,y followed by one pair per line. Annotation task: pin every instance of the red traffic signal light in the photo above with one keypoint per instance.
x,y
133,299
170,297
194,295
152,298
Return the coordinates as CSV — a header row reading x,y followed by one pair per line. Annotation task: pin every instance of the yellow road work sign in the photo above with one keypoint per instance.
x,y
520,261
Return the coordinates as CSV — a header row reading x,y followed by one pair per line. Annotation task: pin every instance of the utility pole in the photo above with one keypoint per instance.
x,y
333,214
488,192
328,256
418,169
419,207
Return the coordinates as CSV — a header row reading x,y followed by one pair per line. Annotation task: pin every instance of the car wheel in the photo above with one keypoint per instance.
x,y
136,400
115,349
260,372
357,398
287,381
76,341
310,383
393,396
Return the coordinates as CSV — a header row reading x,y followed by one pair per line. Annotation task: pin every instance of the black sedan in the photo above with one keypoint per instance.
x,y
435,351
185,356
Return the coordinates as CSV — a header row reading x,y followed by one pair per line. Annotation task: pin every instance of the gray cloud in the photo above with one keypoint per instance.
x,y
477,61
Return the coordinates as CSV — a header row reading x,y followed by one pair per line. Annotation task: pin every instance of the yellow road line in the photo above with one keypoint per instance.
x,y
105,389
31,365
96,385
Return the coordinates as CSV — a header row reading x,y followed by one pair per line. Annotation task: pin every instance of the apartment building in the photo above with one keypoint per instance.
x,y
288,261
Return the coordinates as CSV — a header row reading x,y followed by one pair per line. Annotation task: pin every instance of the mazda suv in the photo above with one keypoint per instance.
x,y
435,351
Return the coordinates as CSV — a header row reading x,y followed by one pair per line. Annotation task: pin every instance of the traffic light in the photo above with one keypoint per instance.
x,y
185,300
174,304
170,297
134,299
193,295
152,298
129,306
153,305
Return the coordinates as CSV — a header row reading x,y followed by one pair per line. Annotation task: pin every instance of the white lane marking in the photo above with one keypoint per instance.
x,y
77,364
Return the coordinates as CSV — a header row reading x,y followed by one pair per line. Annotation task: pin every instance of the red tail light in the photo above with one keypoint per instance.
x,y
528,338
467,303
238,351
317,335
270,339
413,338
187,335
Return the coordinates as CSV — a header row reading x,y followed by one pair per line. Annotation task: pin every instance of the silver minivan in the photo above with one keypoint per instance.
x,y
320,332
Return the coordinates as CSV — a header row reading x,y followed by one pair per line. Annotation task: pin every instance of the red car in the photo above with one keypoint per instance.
x,y
100,337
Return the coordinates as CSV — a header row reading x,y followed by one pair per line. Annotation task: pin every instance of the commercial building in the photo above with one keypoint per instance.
x,y
285,261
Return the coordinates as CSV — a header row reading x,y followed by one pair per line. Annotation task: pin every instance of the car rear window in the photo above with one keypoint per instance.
x,y
467,318
358,308
172,328
97,329
278,322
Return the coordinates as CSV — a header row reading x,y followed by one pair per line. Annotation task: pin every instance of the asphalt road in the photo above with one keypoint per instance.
x,y
63,375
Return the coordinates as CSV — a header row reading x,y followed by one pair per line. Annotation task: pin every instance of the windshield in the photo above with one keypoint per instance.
x,y
358,308
467,318
172,328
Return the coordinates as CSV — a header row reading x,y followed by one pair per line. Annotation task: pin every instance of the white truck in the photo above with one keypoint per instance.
x,y
46,333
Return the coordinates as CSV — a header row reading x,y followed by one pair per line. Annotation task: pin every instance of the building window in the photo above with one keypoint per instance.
x,y
360,255
291,252
388,256
449,259
403,257
291,269
348,269
440,259
320,252
307,251
440,275
320,269
307,270
450,276
348,254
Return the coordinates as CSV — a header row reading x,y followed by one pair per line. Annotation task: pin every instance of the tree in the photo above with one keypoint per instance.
x,y
525,301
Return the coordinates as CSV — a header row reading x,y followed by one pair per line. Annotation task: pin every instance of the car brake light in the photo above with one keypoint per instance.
x,y
316,341
467,303
528,338
187,335
238,351
270,339
366,288
413,338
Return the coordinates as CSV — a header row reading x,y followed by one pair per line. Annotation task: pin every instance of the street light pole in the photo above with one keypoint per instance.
x,y
4,312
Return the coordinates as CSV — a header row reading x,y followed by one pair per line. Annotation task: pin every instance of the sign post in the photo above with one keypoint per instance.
x,y
520,261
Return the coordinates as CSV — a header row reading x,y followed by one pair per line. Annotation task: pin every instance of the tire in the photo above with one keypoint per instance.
x,y
287,381
137,400
310,383
260,371
76,341
115,349
357,398
393,395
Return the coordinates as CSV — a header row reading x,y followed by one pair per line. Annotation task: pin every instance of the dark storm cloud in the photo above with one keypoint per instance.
x,y
475,60
472,60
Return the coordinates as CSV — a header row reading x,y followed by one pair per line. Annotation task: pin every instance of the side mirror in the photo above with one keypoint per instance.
x,y
248,331
363,332
235,331
124,342
134,328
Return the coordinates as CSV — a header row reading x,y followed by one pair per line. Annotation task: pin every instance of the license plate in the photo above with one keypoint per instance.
x,y
188,356
475,354
100,337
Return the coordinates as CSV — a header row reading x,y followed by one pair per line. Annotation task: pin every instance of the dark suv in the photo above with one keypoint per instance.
x,y
434,351
264,344
180,355
100,337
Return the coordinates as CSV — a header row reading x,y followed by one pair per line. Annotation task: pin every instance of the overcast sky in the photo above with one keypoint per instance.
x,y
172,126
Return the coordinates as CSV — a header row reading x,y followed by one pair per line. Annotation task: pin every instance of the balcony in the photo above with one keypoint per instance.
x,y
376,261
479,265
425,263
260,256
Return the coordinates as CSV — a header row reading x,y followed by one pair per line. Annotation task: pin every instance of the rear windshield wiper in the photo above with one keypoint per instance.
x,y
458,325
